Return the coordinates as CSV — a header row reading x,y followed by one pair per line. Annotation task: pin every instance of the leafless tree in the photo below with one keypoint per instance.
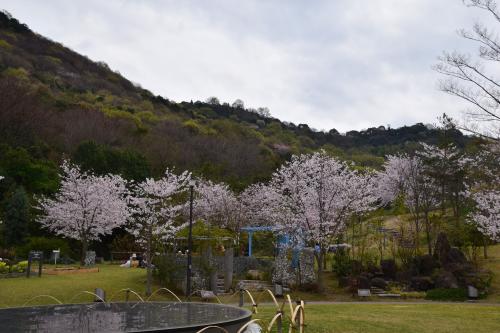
x,y
473,79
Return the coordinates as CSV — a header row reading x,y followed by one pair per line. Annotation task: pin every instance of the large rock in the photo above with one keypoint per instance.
x,y
389,268
356,267
379,283
421,283
455,256
446,255
461,271
254,274
424,265
403,276
445,279
442,248
363,282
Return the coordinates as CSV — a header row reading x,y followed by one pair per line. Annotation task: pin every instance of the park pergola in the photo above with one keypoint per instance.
x,y
282,240
181,240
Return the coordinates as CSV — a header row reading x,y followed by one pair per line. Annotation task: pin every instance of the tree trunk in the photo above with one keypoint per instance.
x,y
485,247
320,278
417,234
148,258
428,233
85,247
353,254
324,261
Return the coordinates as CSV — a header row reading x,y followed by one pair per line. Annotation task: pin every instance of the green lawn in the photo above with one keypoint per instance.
x,y
493,264
111,278
394,318
344,317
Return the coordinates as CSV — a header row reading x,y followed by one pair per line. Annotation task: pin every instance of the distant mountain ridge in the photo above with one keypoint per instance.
x,y
58,100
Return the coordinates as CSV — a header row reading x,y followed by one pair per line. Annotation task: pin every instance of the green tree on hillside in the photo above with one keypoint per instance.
x,y
102,160
16,217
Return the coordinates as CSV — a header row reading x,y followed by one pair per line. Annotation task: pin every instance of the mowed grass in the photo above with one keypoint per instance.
x,y
493,264
111,278
395,318
320,318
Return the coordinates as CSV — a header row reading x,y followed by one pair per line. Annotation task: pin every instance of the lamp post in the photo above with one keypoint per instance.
x,y
190,242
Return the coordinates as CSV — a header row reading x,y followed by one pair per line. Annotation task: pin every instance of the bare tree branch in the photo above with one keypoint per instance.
x,y
470,81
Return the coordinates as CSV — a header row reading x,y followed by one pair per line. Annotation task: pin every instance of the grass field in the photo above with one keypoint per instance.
x,y
111,278
341,317
397,318
493,264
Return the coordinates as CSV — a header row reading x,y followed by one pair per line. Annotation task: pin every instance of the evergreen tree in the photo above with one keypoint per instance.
x,y
16,217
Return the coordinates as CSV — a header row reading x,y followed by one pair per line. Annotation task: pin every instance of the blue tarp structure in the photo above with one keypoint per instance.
x,y
250,231
283,240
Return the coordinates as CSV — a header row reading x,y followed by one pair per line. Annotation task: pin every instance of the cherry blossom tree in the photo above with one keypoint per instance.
x,y
218,205
86,207
485,192
392,180
156,206
311,198
486,216
214,203
405,176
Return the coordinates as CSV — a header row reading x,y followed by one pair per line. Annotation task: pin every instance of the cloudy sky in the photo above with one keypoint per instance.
x,y
345,64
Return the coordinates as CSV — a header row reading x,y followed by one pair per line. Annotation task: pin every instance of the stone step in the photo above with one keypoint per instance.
x,y
389,295
254,285
377,291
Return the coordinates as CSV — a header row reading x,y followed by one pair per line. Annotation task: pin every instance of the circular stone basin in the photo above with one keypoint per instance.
x,y
123,317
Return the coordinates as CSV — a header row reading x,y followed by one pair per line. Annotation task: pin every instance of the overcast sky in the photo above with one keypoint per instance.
x,y
347,64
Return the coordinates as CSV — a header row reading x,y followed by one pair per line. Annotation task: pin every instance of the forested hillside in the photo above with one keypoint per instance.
x,y
55,102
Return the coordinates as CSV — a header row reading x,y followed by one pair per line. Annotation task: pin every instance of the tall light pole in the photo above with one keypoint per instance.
x,y
190,242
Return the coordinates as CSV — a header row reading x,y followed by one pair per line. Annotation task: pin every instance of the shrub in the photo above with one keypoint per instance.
x,y
4,44
46,245
22,266
378,283
341,263
168,270
3,267
442,294
17,269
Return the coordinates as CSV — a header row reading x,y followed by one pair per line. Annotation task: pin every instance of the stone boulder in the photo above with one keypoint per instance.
x,y
445,279
421,283
379,283
404,276
389,268
455,256
356,267
344,281
363,282
254,274
424,265
442,248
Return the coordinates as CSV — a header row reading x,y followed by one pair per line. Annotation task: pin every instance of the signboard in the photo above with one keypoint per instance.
x,y
35,256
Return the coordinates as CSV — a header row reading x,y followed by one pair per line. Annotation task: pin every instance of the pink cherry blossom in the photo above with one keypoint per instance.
x,y
87,206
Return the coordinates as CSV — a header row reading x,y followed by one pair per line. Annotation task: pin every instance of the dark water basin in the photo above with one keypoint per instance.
x,y
123,317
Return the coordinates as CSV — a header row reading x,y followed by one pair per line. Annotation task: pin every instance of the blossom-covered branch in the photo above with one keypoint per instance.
x,y
87,206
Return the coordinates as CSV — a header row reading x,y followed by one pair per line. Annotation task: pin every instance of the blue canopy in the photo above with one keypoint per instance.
x,y
282,239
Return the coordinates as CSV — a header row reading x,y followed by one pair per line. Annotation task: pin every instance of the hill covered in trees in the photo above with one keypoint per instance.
x,y
55,102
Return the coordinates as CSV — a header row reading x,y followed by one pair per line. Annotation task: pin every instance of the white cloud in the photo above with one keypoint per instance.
x,y
343,64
